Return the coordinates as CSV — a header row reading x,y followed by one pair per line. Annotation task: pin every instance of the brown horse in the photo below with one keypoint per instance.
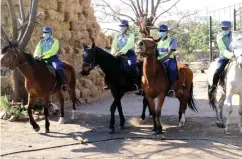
x,y
40,82
155,83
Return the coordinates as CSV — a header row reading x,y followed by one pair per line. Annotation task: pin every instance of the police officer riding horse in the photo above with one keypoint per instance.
x,y
47,50
122,47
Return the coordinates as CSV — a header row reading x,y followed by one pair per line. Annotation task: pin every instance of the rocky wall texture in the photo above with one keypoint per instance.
x,y
73,23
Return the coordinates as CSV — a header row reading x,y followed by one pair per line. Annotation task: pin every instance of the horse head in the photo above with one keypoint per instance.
x,y
145,48
237,50
89,59
11,56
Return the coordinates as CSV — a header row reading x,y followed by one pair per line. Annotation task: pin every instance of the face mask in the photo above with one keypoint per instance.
x,y
122,29
46,36
226,32
162,34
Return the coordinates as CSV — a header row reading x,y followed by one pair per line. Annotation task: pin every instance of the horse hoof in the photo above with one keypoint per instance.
x,y
73,117
61,120
150,116
37,128
221,125
112,131
158,132
47,130
227,132
121,127
181,125
154,131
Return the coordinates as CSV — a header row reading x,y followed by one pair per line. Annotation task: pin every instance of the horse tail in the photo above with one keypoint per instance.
x,y
72,92
191,101
211,98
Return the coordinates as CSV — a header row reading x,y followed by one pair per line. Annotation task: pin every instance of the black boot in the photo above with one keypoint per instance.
x,y
213,88
61,75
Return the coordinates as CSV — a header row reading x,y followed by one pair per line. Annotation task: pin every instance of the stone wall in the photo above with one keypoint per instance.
x,y
73,23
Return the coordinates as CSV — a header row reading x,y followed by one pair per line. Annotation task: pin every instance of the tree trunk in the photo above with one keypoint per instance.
x,y
19,91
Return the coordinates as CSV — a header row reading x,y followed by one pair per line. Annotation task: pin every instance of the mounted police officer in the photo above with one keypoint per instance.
x,y
47,50
165,49
122,45
224,39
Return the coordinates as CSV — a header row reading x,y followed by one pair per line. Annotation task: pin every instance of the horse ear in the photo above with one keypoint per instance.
x,y
93,45
93,41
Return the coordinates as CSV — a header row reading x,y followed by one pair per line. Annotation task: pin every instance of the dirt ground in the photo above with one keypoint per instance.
x,y
200,138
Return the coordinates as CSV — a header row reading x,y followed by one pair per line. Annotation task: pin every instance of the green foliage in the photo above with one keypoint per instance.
x,y
4,103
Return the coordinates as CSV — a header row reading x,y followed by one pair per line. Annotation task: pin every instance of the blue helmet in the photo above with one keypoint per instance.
x,y
47,30
163,27
124,23
226,24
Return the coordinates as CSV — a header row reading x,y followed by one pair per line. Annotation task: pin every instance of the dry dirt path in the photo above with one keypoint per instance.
x,y
92,123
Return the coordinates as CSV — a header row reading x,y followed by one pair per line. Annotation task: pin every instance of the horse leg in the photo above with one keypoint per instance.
x,y
182,110
212,102
220,111
31,101
112,120
145,103
73,99
61,102
153,112
230,110
240,113
121,115
161,100
46,113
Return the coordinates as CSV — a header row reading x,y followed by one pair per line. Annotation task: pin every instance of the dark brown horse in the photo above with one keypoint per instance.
x,y
155,83
40,82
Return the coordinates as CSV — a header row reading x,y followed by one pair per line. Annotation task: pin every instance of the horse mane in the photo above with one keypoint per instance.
x,y
30,59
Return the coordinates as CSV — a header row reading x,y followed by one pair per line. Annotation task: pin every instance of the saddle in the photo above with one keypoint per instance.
x,y
49,67
52,70
165,69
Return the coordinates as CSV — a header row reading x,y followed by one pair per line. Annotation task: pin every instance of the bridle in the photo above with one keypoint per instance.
x,y
148,53
93,62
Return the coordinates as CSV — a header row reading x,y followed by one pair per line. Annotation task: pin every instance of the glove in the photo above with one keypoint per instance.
x,y
39,57
119,54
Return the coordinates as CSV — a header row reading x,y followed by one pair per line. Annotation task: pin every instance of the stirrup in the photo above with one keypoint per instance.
x,y
64,87
171,93
140,92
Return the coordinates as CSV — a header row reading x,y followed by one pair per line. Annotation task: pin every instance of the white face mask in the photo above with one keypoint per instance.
x,y
162,34
122,29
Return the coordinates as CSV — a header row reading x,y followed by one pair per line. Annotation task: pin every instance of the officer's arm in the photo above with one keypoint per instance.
x,y
129,45
173,47
114,45
53,51
38,50
222,47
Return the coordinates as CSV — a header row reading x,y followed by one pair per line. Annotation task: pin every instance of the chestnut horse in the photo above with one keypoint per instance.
x,y
40,82
155,83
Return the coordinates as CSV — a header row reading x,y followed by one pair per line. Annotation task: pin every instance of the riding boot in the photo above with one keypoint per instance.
x,y
212,89
171,92
61,75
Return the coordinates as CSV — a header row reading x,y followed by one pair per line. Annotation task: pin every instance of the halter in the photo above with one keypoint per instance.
x,y
93,63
